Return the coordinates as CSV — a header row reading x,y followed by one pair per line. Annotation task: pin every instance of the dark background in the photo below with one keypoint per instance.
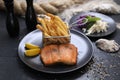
x,y
103,66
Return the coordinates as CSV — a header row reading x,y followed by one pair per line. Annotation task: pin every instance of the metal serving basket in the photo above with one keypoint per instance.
x,y
56,39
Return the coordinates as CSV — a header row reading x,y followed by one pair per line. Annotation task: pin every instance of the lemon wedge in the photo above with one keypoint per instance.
x,y
31,46
32,52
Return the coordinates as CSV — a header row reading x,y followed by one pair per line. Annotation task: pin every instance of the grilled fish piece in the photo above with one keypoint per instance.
x,y
64,53
68,54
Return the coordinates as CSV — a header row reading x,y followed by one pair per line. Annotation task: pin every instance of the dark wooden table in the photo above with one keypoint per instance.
x,y
103,66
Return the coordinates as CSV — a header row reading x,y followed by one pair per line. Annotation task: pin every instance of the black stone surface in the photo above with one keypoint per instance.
x,y
103,66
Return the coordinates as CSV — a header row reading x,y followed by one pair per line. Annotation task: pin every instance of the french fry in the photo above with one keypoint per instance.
x,y
54,29
39,19
40,27
62,30
50,15
47,35
43,23
62,23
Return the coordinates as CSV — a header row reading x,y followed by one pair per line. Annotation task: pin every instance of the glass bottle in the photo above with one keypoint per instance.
x,y
12,24
30,16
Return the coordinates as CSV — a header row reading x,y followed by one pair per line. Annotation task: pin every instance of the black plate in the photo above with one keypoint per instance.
x,y
83,44
110,21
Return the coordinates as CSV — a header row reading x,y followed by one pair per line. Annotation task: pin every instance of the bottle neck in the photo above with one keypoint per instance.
x,y
9,7
29,3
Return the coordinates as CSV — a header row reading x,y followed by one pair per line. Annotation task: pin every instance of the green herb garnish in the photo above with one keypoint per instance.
x,y
91,21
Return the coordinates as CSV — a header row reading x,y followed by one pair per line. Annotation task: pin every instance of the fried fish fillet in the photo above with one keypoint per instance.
x,y
68,54
64,53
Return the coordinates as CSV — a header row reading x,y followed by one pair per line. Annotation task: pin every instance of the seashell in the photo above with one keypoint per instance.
x,y
107,45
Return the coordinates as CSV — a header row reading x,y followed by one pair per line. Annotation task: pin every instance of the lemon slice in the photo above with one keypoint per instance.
x,y
32,52
31,46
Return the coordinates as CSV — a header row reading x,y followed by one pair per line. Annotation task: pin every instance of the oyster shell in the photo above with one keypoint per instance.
x,y
107,45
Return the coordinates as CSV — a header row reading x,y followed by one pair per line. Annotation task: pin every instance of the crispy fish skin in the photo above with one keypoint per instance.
x,y
64,53
68,54
46,51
